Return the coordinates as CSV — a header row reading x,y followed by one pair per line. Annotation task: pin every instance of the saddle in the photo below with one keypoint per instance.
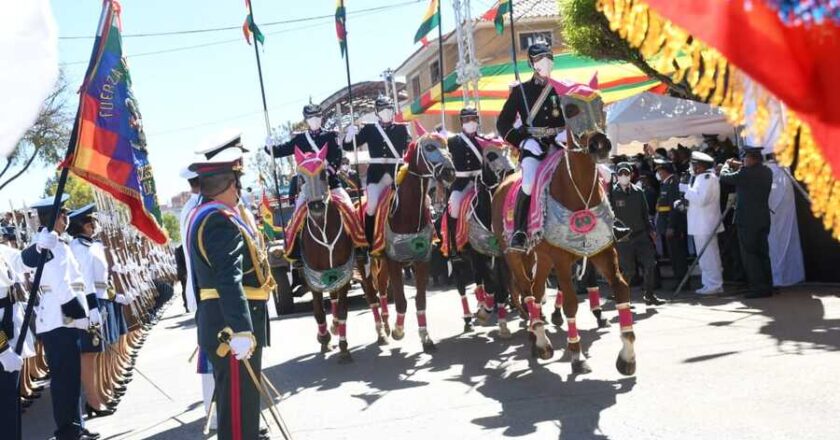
x,y
384,239
349,218
536,212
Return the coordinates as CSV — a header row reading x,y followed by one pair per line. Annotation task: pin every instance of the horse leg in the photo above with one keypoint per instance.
x,y
570,308
373,303
594,294
520,281
421,278
493,277
557,314
541,345
334,313
381,276
607,263
344,355
466,314
395,280
321,319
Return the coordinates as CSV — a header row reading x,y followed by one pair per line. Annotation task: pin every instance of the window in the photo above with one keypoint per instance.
x,y
528,38
415,87
434,70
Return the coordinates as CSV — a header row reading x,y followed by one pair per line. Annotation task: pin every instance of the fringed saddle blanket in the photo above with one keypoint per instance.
x,y
349,217
465,211
536,212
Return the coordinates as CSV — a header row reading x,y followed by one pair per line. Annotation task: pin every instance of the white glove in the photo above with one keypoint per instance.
x,y
270,141
95,317
46,240
242,346
351,132
560,139
120,299
81,324
10,360
532,145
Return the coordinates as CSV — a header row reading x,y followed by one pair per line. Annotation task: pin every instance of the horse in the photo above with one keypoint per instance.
x,y
328,240
404,229
484,253
577,223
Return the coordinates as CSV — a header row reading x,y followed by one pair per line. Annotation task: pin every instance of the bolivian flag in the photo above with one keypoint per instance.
x,y
430,21
499,17
268,227
341,26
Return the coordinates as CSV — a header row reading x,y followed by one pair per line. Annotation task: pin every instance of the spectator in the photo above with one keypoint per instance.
x,y
670,222
703,196
628,202
752,182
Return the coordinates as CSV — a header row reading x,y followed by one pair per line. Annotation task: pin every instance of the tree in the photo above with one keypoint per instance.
x,y
46,141
259,163
172,226
587,32
80,192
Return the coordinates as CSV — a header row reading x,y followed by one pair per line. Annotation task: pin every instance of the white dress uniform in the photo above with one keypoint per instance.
x,y
703,195
184,222
61,281
11,272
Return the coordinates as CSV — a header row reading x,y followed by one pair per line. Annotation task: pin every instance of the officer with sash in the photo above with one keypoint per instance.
x,y
537,107
467,158
233,282
386,142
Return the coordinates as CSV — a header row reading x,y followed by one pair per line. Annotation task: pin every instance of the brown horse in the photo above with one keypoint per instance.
x,y
575,193
327,251
408,230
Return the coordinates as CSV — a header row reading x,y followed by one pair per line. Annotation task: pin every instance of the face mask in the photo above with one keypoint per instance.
x,y
623,180
692,172
470,127
314,123
543,67
386,115
658,177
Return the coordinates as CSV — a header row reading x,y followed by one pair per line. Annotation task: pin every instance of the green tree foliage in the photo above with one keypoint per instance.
x,y
587,32
80,192
172,226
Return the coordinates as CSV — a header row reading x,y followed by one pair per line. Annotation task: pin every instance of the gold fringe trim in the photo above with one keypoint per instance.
x,y
711,77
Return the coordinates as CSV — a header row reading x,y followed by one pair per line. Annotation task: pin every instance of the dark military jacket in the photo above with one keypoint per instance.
x,y
321,138
464,159
549,115
666,216
378,148
752,187
226,259
630,206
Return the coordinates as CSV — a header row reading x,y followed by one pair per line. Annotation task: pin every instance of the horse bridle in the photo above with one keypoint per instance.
x,y
432,170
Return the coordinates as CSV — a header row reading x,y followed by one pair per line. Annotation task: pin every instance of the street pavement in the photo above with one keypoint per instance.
x,y
722,368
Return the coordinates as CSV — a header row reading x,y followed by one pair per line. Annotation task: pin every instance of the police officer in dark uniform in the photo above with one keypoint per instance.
x,y
386,142
752,181
671,223
233,282
467,158
630,206
538,108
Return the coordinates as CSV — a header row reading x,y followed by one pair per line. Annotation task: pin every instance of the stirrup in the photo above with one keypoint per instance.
x,y
519,242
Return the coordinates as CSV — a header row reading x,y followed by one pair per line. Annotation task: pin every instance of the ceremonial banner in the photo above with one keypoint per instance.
x,y
340,26
110,145
268,227
499,16
249,27
430,21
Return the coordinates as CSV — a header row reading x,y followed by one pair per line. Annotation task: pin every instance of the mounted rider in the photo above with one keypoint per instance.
x,y
540,129
387,142
467,158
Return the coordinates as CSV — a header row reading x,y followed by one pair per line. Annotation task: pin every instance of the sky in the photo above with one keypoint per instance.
x,y
189,93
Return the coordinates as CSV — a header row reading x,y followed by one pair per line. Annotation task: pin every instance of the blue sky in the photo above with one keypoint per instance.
x,y
185,95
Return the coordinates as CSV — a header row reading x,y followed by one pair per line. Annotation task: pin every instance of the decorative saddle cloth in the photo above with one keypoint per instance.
x,y
465,210
583,233
400,247
349,219
536,212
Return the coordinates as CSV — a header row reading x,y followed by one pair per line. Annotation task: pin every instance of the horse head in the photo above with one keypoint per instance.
x,y
313,168
496,159
583,110
429,156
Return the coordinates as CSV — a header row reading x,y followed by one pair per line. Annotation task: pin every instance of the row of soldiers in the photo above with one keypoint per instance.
x,y
99,293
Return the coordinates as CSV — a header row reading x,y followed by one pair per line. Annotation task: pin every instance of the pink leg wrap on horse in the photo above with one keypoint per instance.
x,y
502,311
334,308
573,331
625,317
342,330
594,298
479,294
400,319
558,300
421,318
322,329
465,306
374,308
383,303
533,310
489,302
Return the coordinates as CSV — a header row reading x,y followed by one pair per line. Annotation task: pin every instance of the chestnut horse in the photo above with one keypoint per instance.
x,y
408,230
327,251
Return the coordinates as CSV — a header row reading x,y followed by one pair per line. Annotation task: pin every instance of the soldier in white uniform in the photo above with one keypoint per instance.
x,y
703,196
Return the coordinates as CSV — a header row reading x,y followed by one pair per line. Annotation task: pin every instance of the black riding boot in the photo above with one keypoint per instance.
x,y
454,255
519,240
370,222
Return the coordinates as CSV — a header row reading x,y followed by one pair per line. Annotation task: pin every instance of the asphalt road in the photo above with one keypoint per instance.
x,y
721,368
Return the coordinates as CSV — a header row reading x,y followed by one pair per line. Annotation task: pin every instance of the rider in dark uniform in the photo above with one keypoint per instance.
x,y
467,158
542,127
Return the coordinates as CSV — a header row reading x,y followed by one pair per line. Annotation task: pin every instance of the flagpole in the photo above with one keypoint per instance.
x,y
441,74
350,97
267,124
513,54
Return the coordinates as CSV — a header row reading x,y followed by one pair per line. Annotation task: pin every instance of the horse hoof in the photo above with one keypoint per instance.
x,y
398,333
324,339
627,368
557,318
429,347
482,316
580,367
325,348
547,353
386,327
468,328
382,340
504,332
603,323
345,358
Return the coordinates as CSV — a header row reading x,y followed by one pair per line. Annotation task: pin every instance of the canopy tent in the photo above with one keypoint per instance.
x,y
617,80
648,116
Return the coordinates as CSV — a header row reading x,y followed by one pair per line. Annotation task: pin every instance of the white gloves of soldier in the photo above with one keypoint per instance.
x,y
46,240
242,345
120,299
10,360
683,187
560,139
532,145
351,133
95,317
271,141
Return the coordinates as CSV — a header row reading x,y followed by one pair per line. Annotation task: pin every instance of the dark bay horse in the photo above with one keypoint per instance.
x,y
327,251
408,231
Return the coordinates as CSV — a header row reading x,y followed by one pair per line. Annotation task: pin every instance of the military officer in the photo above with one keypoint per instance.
x,y
62,317
233,280
11,318
467,158
703,196
629,204
386,142
671,223
753,181
537,106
